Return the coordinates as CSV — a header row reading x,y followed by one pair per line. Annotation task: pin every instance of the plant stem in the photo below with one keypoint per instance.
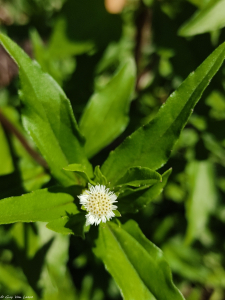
x,y
11,128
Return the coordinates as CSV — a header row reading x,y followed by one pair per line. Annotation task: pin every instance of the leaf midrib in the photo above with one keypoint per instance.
x,y
114,236
186,103
49,124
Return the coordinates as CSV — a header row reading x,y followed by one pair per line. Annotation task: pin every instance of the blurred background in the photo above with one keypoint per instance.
x,y
81,44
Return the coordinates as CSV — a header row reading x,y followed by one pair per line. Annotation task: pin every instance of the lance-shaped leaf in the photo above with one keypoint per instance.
x,y
106,114
136,264
42,205
150,146
210,18
139,176
132,201
47,116
202,200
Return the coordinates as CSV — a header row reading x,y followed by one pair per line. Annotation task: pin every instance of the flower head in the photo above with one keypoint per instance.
x,y
98,201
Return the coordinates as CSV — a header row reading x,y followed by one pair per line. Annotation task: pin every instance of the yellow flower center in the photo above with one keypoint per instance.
x,y
99,204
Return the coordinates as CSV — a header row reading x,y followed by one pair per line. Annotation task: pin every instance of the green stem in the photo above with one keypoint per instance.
x,y
11,128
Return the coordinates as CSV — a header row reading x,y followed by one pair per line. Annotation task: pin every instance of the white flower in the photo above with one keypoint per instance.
x,y
98,201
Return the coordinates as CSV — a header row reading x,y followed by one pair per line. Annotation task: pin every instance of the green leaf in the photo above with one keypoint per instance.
x,y
99,177
217,102
81,170
106,114
214,147
55,267
150,146
210,18
185,260
133,201
57,57
202,200
6,162
60,46
117,213
135,263
32,175
47,116
72,224
42,205
139,176
12,277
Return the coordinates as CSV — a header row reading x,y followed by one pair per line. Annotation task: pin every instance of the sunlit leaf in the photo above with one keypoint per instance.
x,y
42,205
150,146
106,114
47,116
136,264
211,17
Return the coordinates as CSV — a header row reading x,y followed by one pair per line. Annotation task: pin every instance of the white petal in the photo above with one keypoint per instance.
x,y
93,216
